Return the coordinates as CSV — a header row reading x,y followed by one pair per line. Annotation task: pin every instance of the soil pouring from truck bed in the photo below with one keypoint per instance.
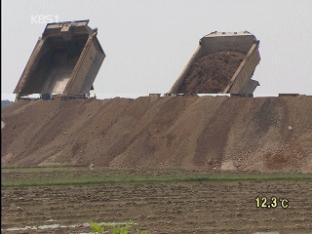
x,y
211,73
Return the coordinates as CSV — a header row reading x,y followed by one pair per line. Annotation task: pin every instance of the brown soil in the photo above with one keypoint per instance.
x,y
262,134
162,208
211,73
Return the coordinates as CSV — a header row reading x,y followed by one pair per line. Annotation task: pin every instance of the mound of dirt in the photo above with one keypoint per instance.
x,y
237,133
211,73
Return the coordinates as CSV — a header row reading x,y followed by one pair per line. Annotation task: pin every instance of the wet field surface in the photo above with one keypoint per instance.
x,y
182,207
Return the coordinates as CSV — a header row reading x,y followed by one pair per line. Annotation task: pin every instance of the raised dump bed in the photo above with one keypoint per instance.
x,y
65,61
223,63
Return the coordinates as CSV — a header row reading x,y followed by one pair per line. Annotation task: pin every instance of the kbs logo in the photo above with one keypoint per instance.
x,y
43,19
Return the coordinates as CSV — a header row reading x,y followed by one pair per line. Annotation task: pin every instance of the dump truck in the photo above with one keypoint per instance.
x,y
223,63
64,62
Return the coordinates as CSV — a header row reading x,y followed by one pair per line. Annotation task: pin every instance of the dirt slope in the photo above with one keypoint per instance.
x,y
237,133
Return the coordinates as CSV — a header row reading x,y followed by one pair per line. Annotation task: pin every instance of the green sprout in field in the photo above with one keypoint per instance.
x,y
113,229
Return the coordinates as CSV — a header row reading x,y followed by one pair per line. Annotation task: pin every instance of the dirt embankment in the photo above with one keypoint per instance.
x,y
264,134
211,73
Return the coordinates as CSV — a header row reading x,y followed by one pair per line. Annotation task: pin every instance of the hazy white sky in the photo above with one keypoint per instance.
x,y
148,42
